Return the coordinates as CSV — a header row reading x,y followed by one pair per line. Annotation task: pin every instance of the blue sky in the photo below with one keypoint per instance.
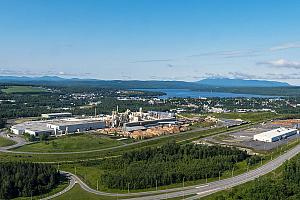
x,y
151,39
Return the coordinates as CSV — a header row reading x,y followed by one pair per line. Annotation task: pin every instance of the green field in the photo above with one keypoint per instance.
x,y
253,117
72,143
6,142
184,137
76,193
23,89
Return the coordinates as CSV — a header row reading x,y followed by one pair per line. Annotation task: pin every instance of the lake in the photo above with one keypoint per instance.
x,y
185,93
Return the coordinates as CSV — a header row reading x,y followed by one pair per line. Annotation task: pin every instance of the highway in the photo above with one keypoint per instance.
x,y
197,190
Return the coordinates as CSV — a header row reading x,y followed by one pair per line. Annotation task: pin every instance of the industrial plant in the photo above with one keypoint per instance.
x,y
136,125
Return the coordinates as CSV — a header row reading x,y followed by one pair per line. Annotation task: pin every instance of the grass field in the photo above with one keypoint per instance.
x,y
6,142
253,117
23,89
99,154
77,193
72,143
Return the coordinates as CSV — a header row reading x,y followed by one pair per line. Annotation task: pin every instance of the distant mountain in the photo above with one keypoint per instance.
x,y
25,78
204,85
227,82
122,84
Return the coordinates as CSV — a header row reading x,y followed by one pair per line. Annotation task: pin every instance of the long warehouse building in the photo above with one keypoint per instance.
x,y
58,127
75,125
275,135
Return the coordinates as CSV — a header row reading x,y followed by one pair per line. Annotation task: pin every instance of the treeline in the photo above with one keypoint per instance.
x,y
2,123
271,91
284,185
171,163
19,179
108,104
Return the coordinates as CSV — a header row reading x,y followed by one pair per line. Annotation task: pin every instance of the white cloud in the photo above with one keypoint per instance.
x,y
229,54
281,63
14,72
150,61
285,46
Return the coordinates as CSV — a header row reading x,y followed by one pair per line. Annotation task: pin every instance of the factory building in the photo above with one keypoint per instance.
x,y
73,125
32,127
275,135
58,126
56,115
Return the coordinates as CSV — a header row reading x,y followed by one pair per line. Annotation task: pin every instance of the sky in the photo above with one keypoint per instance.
x,y
151,39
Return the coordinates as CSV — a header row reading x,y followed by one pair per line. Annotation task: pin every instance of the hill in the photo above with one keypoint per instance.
x,y
227,82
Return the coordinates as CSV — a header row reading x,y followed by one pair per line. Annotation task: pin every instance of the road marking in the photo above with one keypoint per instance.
x,y
200,186
207,191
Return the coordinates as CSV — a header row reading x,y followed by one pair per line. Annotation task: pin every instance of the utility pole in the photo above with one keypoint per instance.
x,y
128,187
232,171
97,185
183,188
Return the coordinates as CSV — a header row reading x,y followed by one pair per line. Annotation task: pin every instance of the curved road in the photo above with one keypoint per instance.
x,y
197,190
19,141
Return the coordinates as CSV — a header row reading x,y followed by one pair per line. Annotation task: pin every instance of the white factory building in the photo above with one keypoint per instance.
x,y
73,125
275,135
58,127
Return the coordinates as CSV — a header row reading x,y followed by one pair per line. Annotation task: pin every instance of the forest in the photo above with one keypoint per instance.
x,y
2,123
283,185
168,164
21,179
